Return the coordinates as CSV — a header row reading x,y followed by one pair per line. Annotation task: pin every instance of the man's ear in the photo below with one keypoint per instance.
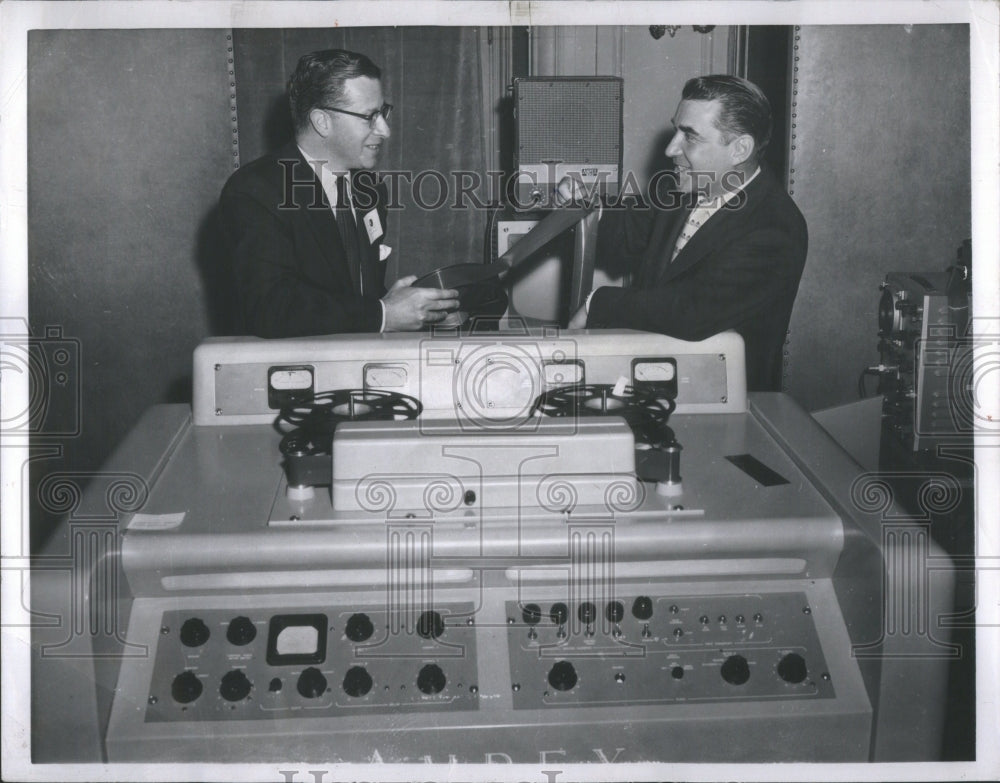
x,y
320,122
741,148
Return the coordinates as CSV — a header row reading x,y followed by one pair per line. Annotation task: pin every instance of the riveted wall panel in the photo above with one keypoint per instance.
x,y
880,167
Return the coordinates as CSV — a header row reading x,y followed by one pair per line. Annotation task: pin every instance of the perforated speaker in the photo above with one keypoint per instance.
x,y
569,125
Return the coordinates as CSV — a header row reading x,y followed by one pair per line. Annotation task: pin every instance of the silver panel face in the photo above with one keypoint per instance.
x,y
489,708
701,378
262,664
679,649
491,376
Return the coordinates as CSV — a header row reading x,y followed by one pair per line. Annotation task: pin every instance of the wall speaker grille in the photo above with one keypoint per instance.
x,y
574,121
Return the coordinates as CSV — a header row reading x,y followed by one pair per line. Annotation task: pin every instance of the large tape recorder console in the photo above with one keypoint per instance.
x,y
528,546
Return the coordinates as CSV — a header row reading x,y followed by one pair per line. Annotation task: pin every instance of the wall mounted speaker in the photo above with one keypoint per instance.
x,y
568,125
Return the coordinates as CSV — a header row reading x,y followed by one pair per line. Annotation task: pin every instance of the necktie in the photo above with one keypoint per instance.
x,y
348,228
695,218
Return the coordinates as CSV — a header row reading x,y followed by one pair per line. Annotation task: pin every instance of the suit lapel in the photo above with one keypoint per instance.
x,y
319,216
718,230
661,244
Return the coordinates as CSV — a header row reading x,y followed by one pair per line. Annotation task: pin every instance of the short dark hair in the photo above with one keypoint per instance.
x,y
745,108
319,79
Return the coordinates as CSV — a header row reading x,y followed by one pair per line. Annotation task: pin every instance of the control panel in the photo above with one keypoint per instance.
x,y
635,649
262,664
642,649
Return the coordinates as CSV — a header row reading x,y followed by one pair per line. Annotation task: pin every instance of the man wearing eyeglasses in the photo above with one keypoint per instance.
x,y
306,225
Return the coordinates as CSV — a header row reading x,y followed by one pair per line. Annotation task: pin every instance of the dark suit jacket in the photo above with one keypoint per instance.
x,y
740,271
293,274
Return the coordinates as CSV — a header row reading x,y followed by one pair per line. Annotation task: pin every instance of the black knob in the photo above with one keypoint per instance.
x,y
587,612
559,612
194,632
562,676
359,627
357,681
614,611
531,613
642,607
431,679
241,631
677,672
235,686
792,668
736,670
186,687
311,683
430,625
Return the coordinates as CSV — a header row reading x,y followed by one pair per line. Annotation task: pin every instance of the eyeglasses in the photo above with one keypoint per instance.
x,y
384,111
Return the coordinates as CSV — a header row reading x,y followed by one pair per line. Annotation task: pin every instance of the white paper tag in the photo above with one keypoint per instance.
x,y
620,385
156,521
383,252
373,225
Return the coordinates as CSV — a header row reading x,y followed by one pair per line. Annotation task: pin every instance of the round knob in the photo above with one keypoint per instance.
x,y
430,625
586,612
792,668
235,686
736,670
431,679
357,681
186,687
359,627
562,676
642,607
194,632
559,612
614,611
531,614
311,683
241,631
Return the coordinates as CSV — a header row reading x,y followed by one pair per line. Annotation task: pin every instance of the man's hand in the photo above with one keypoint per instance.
x,y
408,309
570,190
579,319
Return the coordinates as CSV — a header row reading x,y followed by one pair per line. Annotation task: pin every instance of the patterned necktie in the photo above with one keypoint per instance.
x,y
694,220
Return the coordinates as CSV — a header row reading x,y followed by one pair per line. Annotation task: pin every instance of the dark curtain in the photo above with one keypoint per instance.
x,y
431,76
